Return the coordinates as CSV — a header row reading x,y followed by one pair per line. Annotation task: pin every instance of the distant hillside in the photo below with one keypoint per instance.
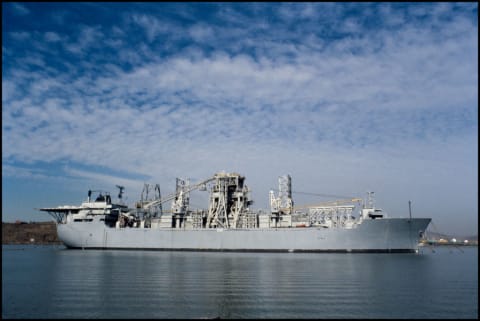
x,y
437,236
471,237
433,235
29,233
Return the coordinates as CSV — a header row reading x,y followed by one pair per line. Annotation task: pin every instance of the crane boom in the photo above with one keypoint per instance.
x,y
330,203
175,194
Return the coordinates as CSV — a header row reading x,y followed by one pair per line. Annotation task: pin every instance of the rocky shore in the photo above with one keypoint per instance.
x,y
29,233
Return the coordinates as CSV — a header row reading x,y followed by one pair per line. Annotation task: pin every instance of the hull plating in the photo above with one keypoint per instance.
x,y
379,235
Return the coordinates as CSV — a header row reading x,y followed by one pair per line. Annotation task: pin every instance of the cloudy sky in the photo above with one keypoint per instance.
x,y
344,97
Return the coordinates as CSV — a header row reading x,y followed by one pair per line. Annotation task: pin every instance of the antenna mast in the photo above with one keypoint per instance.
x,y
410,208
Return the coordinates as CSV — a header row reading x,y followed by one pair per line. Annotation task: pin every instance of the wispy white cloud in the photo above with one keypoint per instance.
x,y
20,9
201,33
103,181
88,36
377,86
21,172
20,35
52,36
151,25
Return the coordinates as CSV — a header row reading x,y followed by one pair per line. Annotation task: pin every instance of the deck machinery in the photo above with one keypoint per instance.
x,y
228,205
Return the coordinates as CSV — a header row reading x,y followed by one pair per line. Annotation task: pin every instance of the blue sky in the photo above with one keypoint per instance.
x,y
344,97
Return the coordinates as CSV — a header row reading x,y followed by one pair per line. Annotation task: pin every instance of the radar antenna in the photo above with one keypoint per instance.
x,y
120,192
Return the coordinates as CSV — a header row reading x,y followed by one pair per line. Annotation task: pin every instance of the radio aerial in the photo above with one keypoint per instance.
x,y
121,188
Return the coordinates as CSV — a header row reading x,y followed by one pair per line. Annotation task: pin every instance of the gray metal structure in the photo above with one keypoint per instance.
x,y
228,224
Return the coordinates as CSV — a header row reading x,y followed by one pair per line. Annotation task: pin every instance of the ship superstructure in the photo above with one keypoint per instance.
x,y
229,224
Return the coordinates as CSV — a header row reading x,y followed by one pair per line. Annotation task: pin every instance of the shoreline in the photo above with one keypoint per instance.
x,y
35,233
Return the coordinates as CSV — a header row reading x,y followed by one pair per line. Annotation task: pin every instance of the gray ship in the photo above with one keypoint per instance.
x,y
228,224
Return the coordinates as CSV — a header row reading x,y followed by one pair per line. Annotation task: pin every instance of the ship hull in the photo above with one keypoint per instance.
x,y
388,235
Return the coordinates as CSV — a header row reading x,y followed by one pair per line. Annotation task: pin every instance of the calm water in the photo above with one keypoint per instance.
x,y
52,282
